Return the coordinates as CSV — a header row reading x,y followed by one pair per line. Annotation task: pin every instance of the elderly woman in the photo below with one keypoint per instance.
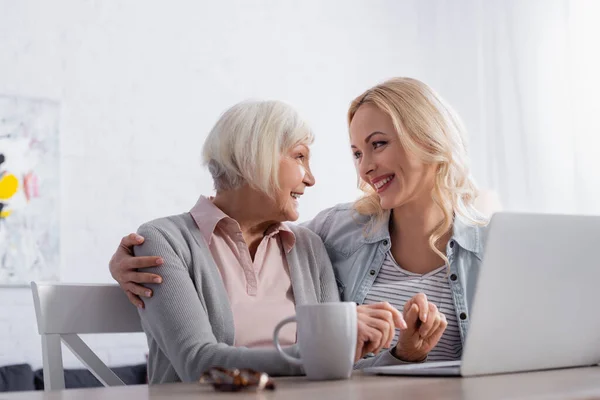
x,y
231,268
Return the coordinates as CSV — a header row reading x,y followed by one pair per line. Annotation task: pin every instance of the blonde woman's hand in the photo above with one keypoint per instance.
x,y
124,269
425,328
376,327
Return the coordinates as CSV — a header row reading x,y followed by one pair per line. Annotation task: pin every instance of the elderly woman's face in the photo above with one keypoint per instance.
x,y
294,177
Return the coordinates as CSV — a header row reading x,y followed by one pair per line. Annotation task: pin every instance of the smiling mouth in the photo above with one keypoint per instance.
x,y
296,195
384,183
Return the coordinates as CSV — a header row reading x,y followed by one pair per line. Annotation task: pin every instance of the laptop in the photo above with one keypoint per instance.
x,y
535,306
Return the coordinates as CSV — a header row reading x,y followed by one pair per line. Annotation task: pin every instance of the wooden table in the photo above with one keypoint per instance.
x,y
567,384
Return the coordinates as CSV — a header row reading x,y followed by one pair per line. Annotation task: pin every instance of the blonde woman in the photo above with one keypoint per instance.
x,y
413,240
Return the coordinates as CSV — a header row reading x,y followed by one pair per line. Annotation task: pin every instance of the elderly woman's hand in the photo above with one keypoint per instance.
x,y
377,325
124,265
425,328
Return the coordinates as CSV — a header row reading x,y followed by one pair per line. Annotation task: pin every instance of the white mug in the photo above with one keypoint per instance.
x,y
326,336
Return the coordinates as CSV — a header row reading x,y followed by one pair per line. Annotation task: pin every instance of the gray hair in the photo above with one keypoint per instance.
x,y
246,143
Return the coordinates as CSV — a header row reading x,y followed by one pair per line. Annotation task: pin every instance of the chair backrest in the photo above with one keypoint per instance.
x,y
64,310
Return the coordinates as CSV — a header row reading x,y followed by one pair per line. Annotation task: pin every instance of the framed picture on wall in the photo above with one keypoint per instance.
x,y
29,190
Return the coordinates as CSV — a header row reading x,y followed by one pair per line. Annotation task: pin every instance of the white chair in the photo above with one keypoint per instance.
x,y
65,310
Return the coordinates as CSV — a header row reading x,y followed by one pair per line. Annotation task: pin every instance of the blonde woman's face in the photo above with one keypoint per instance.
x,y
398,176
294,177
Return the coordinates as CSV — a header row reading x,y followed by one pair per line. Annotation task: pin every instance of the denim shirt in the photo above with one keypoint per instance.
x,y
357,256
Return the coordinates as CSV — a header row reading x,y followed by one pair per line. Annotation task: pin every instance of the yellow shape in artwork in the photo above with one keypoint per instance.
x,y
8,186
5,214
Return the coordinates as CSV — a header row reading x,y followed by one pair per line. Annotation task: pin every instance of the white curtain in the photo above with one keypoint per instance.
x,y
539,103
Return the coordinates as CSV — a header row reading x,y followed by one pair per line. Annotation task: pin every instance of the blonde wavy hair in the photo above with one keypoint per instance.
x,y
428,127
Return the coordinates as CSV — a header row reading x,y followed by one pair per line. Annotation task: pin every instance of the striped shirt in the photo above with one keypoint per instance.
x,y
396,286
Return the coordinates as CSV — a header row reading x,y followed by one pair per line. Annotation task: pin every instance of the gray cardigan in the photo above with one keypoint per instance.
x,y
188,321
